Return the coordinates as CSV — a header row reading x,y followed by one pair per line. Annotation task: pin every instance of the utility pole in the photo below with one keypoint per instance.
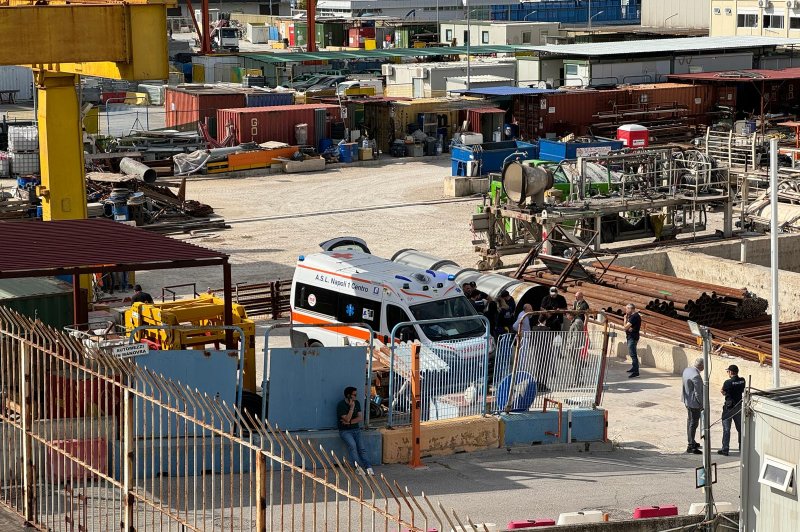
x,y
773,240
705,334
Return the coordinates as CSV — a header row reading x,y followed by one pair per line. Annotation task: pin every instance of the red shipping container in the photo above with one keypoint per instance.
x,y
115,97
643,512
92,452
193,105
357,36
262,124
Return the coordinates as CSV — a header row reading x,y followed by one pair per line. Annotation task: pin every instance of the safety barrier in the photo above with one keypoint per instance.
x,y
92,442
543,365
453,373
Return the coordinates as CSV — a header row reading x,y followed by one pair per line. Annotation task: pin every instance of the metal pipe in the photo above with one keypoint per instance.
x,y
707,425
773,236
139,170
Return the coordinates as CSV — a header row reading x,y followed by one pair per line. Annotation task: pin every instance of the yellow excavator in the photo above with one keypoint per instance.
x,y
194,320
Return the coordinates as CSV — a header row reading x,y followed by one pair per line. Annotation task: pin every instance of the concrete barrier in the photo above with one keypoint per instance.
x,y
531,428
440,438
642,525
459,186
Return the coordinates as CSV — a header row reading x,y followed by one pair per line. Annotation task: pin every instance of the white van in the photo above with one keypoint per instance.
x,y
349,286
373,83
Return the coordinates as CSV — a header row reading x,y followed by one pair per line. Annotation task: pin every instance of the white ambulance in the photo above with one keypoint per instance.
x,y
350,286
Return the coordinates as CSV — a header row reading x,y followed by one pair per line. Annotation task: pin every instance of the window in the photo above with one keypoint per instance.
x,y
571,70
345,308
395,315
746,20
485,37
777,474
456,307
526,37
448,35
466,37
794,23
773,21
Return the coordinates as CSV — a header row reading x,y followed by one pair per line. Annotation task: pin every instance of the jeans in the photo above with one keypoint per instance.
x,y
692,422
632,353
731,416
352,439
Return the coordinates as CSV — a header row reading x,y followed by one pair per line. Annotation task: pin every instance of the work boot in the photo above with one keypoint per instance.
x,y
723,452
693,450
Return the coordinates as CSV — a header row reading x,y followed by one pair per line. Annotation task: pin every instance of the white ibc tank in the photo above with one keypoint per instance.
x,y
24,163
23,138
699,508
5,164
577,518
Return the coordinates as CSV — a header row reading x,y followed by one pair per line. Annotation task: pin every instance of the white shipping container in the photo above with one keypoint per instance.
x,y
19,79
23,138
257,33
24,163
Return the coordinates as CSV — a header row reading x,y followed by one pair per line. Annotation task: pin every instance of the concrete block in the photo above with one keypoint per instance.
x,y
587,425
529,428
459,186
440,438
332,442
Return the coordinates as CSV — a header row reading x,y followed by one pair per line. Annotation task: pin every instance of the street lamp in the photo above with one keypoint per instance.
x,y
704,333
669,17
592,17
529,14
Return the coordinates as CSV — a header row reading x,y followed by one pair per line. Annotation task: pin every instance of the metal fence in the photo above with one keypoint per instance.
x,y
89,442
453,375
563,366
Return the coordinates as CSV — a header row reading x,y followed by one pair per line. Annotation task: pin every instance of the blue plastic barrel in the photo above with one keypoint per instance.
x,y
120,211
38,211
324,144
346,153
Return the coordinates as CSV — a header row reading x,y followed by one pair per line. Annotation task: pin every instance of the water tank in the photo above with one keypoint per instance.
x,y
23,138
423,261
24,163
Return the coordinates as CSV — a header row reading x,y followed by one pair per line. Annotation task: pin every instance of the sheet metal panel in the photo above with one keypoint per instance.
x,y
190,107
15,78
306,384
262,124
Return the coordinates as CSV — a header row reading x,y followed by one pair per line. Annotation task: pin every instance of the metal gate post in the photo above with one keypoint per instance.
x,y
603,362
416,414
28,476
129,457
261,492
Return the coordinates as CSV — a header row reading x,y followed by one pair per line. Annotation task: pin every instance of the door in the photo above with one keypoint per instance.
x,y
418,88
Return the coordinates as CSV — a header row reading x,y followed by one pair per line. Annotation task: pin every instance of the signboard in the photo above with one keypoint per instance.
x,y
700,476
130,350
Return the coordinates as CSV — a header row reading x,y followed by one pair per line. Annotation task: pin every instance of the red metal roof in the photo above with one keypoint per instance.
x,y
740,76
34,248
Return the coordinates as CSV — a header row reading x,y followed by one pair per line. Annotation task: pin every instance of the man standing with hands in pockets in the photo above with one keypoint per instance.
x,y
632,323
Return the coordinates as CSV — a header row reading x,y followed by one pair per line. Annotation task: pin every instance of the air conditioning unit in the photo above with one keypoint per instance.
x,y
791,4
764,3
717,11
387,70
728,11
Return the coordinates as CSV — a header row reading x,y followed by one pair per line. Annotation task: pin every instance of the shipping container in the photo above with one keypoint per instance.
x,y
217,68
188,106
268,99
330,34
262,124
47,299
356,36
16,78
576,111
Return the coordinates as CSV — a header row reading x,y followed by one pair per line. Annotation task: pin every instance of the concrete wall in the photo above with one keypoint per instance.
x,y
440,438
679,522
690,13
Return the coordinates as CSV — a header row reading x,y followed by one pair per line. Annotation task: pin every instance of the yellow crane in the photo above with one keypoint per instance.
x,y
62,40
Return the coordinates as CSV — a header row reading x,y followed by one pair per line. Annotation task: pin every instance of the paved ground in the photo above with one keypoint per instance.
x,y
648,465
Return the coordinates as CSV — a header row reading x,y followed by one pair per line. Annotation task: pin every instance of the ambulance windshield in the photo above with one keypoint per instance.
x,y
455,307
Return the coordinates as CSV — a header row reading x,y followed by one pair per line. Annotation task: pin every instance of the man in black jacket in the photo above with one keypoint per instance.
x,y
733,390
554,321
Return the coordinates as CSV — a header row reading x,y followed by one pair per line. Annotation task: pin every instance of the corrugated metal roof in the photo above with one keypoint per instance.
x,y
788,396
30,287
483,78
644,46
665,46
505,91
740,76
51,248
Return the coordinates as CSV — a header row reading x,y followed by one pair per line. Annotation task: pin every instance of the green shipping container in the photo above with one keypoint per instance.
x,y
300,34
39,297
330,34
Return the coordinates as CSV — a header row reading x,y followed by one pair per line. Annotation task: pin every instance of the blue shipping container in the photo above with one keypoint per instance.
x,y
268,99
552,150
491,155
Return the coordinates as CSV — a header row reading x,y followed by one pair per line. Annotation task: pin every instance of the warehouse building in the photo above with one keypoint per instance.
x,y
767,18
676,13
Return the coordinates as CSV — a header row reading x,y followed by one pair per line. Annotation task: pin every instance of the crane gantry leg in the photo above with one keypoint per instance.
x,y
63,189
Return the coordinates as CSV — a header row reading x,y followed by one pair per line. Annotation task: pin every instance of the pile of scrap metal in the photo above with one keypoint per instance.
x,y
758,214
231,159
131,198
153,146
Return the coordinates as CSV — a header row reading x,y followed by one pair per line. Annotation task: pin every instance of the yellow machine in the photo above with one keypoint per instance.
x,y
203,312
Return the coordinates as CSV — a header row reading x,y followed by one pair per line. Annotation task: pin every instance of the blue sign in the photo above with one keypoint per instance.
x,y
350,309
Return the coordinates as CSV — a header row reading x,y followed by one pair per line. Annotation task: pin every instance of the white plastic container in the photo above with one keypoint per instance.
x,y
699,508
23,138
24,163
577,518
5,164
471,139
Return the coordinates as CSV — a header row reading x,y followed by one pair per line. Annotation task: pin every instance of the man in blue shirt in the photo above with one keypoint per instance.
x,y
348,417
632,323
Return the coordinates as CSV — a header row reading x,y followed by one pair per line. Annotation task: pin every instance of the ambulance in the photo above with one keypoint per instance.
x,y
351,286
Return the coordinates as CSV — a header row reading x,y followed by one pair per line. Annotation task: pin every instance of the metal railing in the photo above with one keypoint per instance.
x,y
566,366
453,374
90,442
